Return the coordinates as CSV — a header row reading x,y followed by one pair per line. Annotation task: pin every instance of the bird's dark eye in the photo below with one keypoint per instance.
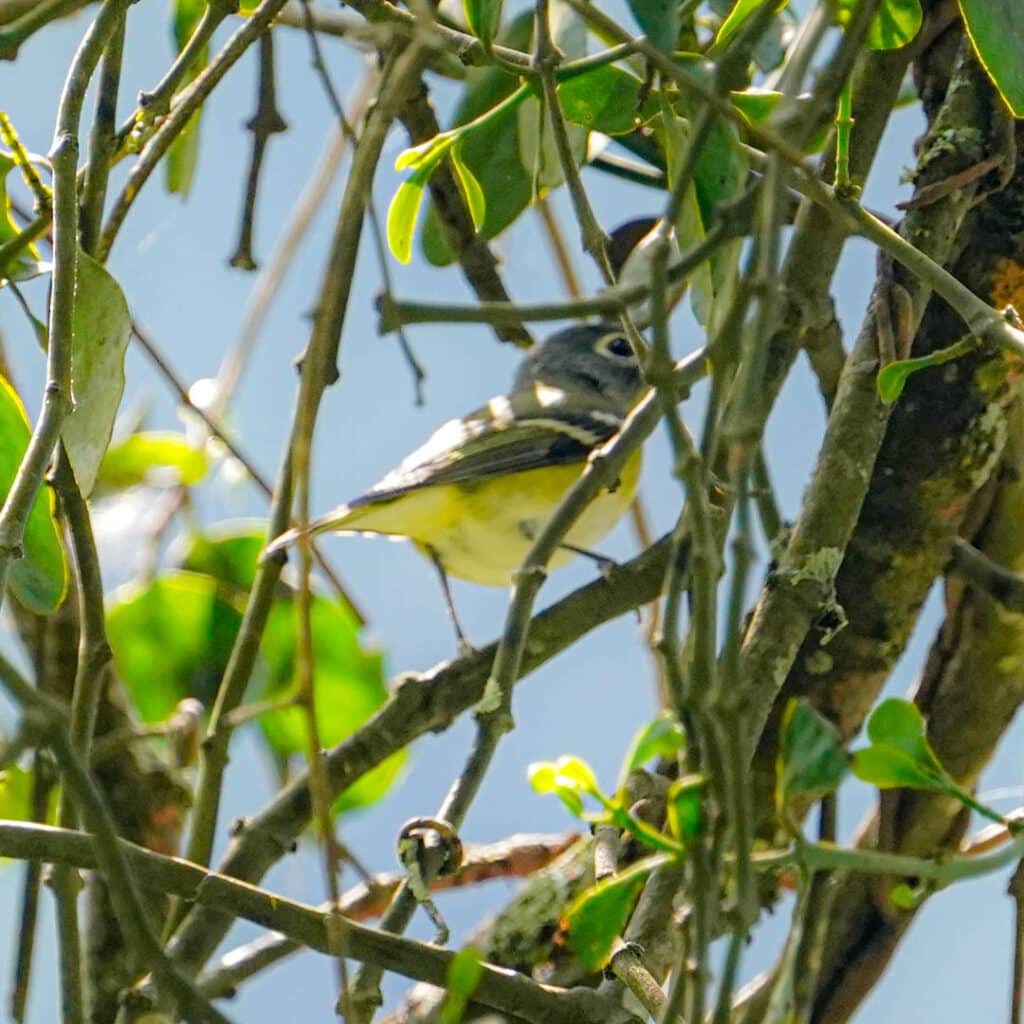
x,y
616,345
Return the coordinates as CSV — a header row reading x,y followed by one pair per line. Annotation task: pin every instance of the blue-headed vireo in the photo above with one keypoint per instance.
x,y
475,496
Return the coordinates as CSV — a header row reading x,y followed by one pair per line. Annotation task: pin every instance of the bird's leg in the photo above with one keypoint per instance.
x,y
465,647
603,562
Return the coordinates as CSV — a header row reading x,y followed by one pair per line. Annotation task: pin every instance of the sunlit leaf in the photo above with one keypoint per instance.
x,y
597,916
892,378
171,640
483,17
900,754
537,149
472,192
16,785
738,16
659,19
996,28
661,737
348,684
686,807
811,760
158,456
461,980
895,24
228,552
26,263
101,331
569,778
39,578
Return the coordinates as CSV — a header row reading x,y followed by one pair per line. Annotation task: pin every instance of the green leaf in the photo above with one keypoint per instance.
x,y
349,687
152,456
996,28
100,334
686,807
402,214
597,916
537,149
757,105
892,378
461,980
228,552
16,785
905,897
471,190
811,760
183,154
26,263
39,578
741,11
491,152
569,778
483,18
900,754
895,24
719,177
606,99
660,737
171,640
659,19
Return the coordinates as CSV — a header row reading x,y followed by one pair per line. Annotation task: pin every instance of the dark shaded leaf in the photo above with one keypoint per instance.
x,y
996,28
606,99
659,19
183,154
491,153
39,578
811,760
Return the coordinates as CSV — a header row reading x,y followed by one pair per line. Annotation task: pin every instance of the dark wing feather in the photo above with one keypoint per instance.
x,y
485,445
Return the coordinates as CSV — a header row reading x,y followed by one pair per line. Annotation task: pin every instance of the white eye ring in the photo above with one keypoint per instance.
x,y
615,345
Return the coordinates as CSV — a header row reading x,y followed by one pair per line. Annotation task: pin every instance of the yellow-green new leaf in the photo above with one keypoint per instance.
x,y
472,191
402,214
39,578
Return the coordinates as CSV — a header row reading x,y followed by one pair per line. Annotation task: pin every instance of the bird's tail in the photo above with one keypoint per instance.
x,y
330,521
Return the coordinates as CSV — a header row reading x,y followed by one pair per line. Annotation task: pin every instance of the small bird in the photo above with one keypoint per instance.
x,y
475,496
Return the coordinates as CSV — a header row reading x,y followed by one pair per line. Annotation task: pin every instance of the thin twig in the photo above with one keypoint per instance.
x,y
975,567
188,102
267,121
515,857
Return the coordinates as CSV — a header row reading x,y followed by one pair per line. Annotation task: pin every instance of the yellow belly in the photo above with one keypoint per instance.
x,y
482,531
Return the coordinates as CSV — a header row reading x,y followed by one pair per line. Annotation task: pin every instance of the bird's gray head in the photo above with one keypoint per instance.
x,y
589,359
